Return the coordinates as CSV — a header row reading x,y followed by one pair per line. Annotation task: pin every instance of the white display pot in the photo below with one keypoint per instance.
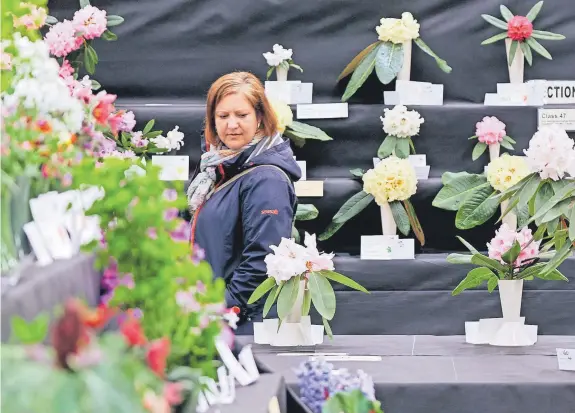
x,y
510,294
405,72
494,150
281,73
295,314
388,226
516,69
511,218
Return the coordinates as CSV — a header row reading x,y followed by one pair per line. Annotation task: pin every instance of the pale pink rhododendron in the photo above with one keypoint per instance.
x,y
551,153
62,39
490,130
504,239
90,22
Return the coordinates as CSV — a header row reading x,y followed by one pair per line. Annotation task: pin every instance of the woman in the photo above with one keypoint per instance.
x,y
243,199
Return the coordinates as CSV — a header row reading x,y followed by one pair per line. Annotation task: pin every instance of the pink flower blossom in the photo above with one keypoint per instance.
x,y
5,61
173,393
171,214
170,195
138,141
490,130
66,69
187,301
182,232
90,22
504,239
519,28
152,233
32,21
62,40
128,121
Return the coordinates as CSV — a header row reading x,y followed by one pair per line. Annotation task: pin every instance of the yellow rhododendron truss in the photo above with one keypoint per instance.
x,y
393,179
283,113
398,30
506,171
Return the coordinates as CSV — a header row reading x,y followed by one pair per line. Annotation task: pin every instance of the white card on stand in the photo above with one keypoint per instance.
x,y
174,167
390,98
291,92
378,247
405,249
322,111
562,117
566,359
419,93
418,160
303,167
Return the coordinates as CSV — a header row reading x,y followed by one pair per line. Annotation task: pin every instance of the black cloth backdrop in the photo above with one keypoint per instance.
x,y
176,48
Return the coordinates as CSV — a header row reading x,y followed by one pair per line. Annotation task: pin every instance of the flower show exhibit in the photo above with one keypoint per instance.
x,y
437,217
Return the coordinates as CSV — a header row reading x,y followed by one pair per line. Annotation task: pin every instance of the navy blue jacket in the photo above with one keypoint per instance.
x,y
238,223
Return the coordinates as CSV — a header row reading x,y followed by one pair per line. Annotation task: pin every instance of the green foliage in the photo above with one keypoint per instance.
x,y
143,243
351,402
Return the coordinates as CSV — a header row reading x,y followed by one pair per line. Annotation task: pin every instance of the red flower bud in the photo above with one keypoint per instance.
x,y
519,28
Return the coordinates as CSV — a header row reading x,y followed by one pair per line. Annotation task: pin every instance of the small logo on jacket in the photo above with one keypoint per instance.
x,y
269,211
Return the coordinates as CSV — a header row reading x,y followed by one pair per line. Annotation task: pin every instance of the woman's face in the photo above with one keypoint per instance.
x,y
236,121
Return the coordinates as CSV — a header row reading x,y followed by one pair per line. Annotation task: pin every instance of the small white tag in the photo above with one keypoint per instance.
x,y
174,167
303,167
308,188
378,247
233,365
566,359
418,160
405,249
322,111
562,117
347,358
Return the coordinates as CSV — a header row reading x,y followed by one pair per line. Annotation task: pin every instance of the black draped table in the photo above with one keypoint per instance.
x,y
429,374
42,289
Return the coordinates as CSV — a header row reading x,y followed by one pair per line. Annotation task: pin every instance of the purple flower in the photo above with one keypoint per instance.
x,y
182,232
170,195
171,213
314,379
198,254
152,233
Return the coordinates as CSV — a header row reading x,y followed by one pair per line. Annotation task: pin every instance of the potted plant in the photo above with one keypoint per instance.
x,y
280,60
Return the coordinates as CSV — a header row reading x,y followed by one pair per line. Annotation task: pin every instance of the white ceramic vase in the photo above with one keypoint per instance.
x,y
405,72
281,73
516,69
388,226
510,294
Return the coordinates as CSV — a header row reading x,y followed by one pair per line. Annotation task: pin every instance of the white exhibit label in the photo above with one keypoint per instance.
x,y
289,92
560,91
346,358
562,117
303,167
378,247
322,111
566,359
174,167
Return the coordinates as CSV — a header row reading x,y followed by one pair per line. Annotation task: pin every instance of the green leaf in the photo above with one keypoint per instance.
x,y
387,147
509,139
440,62
342,279
89,61
478,150
474,278
495,38
295,234
562,208
479,259
456,258
506,13
352,207
414,222
554,200
358,172
477,209
360,74
543,35
402,148
272,296
492,284
500,24
51,20
263,288
306,212
527,53
572,225
534,11
95,84
327,327
306,131
114,20
331,229
506,145
512,52
306,305
457,188
357,60
400,217
270,71
512,253
148,126
322,295
388,61
522,213
84,3
560,256
32,332
287,297
470,247
472,137
109,36
535,45
297,67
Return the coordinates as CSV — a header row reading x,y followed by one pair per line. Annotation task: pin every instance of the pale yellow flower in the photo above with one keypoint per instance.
x,y
283,113
393,179
398,30
506,171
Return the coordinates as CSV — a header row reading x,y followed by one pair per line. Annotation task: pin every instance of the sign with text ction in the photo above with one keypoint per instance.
x,y
562,117
560,92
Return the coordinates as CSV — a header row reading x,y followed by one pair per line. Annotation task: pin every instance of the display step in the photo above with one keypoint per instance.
x,y
180,48
414,297
443,137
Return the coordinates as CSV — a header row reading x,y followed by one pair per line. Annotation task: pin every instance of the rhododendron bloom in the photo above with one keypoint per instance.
x,y
32,21
104,108
504,239
551,153
519,28
287,261
133,332
138,141
316,261
505,171
90,22
66,69
490,130
157,355
175,137
62,40
283,113
400,122
393,179
128,121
